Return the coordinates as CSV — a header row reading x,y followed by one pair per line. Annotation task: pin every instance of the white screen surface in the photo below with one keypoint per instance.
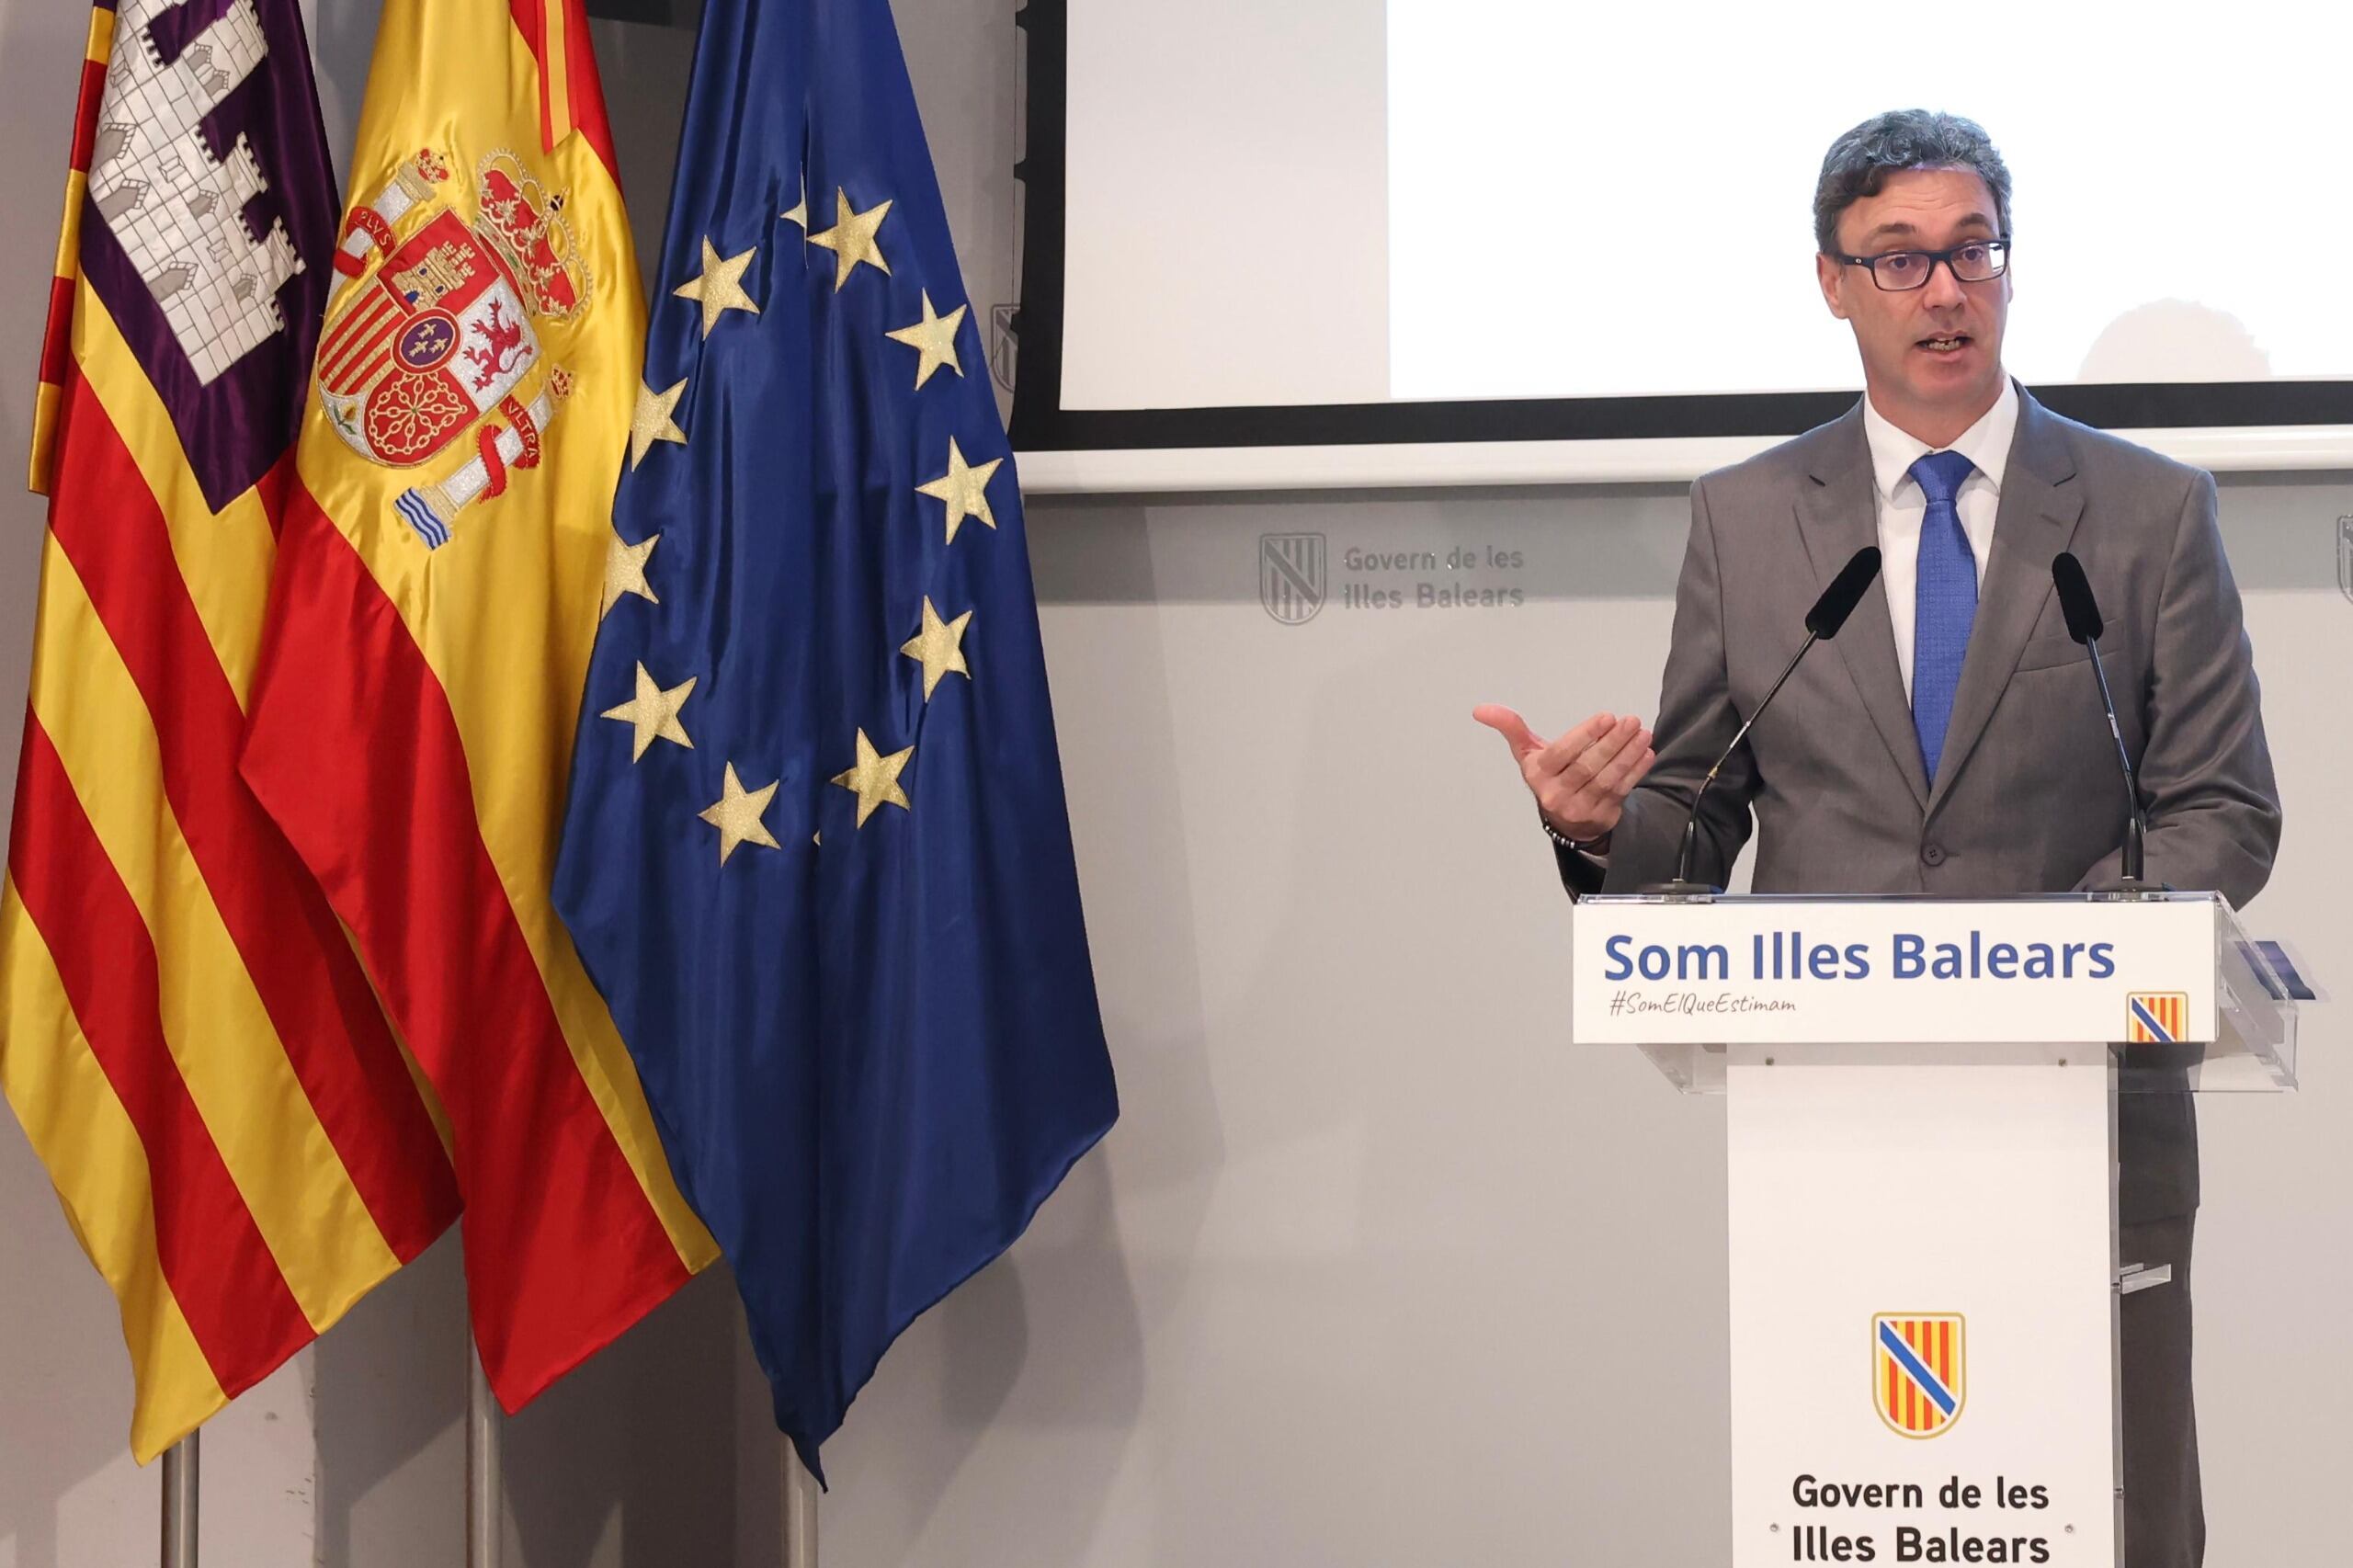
x,y
1339,201
1591,201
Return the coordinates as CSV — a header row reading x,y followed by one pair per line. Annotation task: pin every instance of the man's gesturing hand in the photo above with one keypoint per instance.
x,y
1581,778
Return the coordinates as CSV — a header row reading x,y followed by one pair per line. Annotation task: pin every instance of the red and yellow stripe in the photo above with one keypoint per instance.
x,y
2170,1008
56,349
571,94
185,1031
413,718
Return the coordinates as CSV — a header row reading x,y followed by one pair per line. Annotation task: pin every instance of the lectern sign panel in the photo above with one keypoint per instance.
x,y
1920,1309
1837,972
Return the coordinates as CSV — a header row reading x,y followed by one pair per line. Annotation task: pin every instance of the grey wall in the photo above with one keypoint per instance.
x,y
1374,1270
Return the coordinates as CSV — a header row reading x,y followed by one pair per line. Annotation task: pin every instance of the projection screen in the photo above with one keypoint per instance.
x,y
1461,241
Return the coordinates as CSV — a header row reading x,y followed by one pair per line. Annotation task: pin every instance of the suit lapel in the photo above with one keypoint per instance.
x,y
1837,515
2033,522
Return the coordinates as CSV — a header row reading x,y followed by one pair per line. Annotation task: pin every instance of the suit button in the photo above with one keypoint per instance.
x,y
1934,854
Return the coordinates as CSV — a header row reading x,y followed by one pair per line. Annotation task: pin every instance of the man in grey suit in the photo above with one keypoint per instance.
x,y
1951,740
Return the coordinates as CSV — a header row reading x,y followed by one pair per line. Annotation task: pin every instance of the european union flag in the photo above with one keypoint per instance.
x,y
816,854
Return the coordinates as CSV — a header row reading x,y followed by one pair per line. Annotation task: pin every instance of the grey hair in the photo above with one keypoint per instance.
x,y
1858,162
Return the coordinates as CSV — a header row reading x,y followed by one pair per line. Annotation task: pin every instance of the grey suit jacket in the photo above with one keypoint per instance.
x,y
2028,798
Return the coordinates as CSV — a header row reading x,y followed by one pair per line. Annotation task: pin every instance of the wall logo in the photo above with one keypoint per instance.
x,y
2156,1018
1291,576
1918,1372
2345,555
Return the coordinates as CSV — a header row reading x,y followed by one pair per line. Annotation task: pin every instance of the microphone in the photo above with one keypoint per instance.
x,y
1837,601
2084,625
1828,614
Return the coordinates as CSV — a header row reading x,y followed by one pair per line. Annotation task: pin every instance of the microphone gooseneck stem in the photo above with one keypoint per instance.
x,y
2135,829
1691,823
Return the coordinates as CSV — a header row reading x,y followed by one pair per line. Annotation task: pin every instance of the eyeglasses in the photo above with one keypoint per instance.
x,y
1976,261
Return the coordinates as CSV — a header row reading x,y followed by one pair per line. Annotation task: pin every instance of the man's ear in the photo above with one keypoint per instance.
x,y
1826,272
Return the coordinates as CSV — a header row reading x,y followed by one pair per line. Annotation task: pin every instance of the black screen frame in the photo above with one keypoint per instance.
x,y
1041,424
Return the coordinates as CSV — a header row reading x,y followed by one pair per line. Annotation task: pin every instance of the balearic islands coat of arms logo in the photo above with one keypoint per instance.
x,y
1919,1369
2156,1018
440,349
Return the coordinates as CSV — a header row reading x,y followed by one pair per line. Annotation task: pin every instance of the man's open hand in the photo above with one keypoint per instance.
x,y
1581,776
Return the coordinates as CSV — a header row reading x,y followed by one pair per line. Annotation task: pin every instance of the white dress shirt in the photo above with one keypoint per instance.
x,y
1903,504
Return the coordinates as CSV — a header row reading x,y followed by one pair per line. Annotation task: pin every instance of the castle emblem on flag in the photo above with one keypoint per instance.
x,y
440,347
1918,1372
2156,1018
178,210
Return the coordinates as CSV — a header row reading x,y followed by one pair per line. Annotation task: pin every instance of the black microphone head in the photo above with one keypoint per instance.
x,y
1845,591
2075,601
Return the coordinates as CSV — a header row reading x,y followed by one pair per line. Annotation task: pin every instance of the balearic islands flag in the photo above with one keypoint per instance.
x,y
430,622
816,852
183,1031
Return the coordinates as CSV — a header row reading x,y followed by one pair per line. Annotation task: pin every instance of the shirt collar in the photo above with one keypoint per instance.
x,y
1987,443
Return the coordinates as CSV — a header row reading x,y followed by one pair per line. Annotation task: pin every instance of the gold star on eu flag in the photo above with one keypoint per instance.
x,y
721,286
651,421
875,779
939,647
625,572
851,239
933,338
965,488
736,815
655,713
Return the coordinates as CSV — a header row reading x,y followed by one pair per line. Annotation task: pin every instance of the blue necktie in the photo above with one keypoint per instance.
x,y
1945,601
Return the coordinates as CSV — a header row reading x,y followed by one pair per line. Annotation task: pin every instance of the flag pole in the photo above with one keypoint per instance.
x,y
484,1485
800,1512
179,1502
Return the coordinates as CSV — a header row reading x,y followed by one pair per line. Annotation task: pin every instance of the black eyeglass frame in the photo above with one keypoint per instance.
x,y
1999,247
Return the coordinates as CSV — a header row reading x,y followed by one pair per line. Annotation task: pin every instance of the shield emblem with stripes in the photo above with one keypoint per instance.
x,y
1290,575
2156,1018
1918,1372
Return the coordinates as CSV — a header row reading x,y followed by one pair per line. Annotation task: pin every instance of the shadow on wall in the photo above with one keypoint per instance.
x,y
632,1459
343,39
1182,1357
645,1455
63,1373
996,1428
1441,1112
389,1383
1323,1188
2168,339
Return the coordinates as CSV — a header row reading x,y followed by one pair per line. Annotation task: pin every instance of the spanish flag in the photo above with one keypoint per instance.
x,y
185,1031
430,620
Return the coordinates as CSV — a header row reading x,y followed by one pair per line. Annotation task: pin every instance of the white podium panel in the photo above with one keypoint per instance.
x,y
1921,1109
1962,1214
